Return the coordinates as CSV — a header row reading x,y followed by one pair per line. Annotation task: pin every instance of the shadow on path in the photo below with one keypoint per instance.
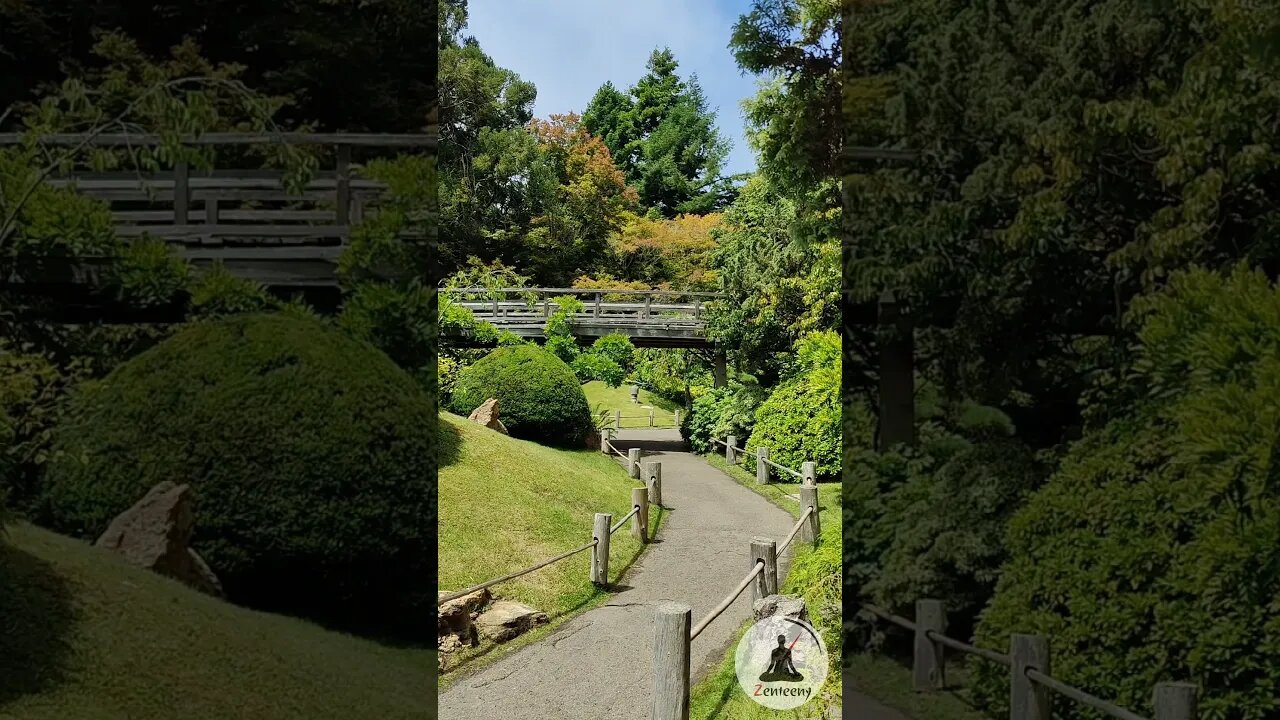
x,y
36,619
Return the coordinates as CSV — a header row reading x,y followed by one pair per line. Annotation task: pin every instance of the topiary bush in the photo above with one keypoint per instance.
x,y
310,454
1153,553
539,397
800,421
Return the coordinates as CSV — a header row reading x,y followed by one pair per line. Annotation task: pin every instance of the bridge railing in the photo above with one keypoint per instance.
x,y
532,305
221,206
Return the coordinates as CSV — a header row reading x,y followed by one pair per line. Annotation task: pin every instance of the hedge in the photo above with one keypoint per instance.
x,y
309,453
539,397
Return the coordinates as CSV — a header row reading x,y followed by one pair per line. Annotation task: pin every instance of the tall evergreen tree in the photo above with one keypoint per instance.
x,y
663,136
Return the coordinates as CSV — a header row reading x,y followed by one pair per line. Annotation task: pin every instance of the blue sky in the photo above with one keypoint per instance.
x,y
569,48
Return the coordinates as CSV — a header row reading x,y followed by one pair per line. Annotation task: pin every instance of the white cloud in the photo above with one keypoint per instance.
x,y
568,48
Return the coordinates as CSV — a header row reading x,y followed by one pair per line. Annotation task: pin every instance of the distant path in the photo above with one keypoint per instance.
x,y
598,665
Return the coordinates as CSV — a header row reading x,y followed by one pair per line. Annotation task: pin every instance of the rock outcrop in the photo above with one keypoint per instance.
x,y
455,621
506,620
780,606
487,415
155,534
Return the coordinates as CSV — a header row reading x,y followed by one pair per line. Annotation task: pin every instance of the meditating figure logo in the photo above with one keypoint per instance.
x,y
781,662
781,668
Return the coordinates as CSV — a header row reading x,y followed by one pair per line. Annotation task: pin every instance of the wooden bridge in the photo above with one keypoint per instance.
x,y
651,318
248,219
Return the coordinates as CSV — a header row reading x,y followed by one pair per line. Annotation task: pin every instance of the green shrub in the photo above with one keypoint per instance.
x,y
1153,553
719,413
616,347
32,390
310,454
539,397
593,366
801,419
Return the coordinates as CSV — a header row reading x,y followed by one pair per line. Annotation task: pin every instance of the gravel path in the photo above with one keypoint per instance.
x,y
597,665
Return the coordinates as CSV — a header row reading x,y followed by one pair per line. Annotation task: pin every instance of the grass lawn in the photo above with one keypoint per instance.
x,y
601,398
506,504
889,681
815,574
90,637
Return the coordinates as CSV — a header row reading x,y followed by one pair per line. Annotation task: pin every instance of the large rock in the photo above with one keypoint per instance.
x,y
487,415
455,626
155,533
780,606
506,620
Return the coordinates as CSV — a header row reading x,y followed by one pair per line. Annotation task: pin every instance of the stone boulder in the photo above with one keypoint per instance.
x,y
455,620
506,620
155,534
787,606
487,415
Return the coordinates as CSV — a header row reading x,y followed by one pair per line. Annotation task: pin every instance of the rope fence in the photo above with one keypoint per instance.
x,y
1031,685
673,635
808,472
602,528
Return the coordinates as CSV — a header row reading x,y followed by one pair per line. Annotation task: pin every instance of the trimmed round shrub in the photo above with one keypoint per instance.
x,y
1153,553
310,455
539,397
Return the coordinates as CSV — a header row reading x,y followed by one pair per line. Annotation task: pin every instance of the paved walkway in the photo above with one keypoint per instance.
x,y
598,665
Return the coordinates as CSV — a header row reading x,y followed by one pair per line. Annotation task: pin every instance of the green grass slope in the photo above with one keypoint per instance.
x,y
602,397
506,504
88,637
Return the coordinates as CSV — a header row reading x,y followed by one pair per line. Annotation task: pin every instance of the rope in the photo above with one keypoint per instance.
x,y
784,468
616,450
724,604
991,655
634,509
512,576
1081,696
791,536
886,615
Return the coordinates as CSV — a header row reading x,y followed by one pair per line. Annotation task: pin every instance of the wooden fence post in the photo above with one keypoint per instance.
x,y
600,553
928,669
677,418
730,455
617,419
604,440
811,531
1175,701
671,662
633,460
766,582
640,521
762,467
650,417
1029,701
808,473
654,483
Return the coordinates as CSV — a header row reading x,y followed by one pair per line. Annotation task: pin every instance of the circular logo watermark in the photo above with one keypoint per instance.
x,y
781,662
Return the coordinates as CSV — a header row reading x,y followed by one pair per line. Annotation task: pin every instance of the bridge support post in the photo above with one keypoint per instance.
x,y
730,455
600,553
896,338
721,369
654,482
640,521
633,461
766,584
671,662
762,467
